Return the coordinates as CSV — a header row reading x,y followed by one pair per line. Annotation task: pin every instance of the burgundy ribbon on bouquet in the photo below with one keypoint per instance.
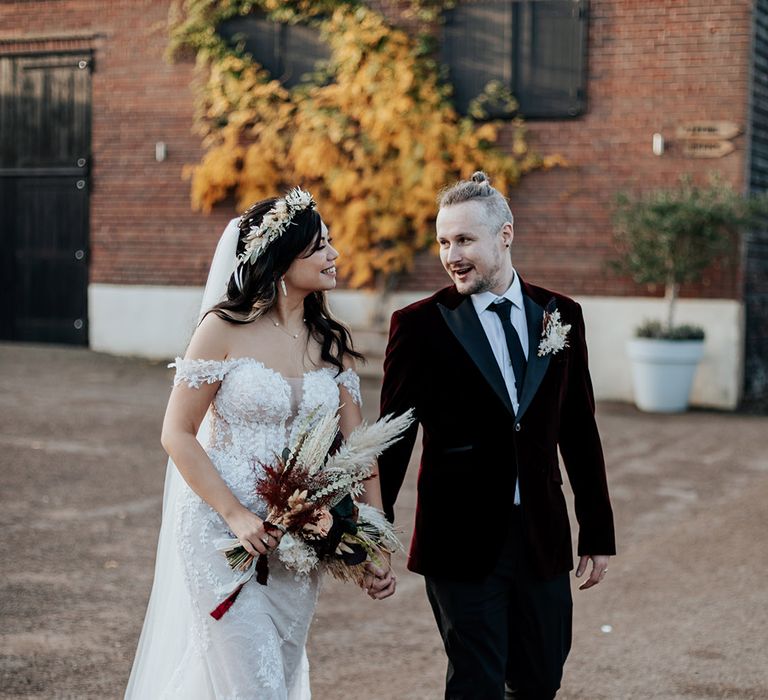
x,y
218,612
262,563
262,573
262,569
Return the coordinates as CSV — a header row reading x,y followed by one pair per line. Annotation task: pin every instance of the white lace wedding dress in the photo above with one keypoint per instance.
x,y
256,651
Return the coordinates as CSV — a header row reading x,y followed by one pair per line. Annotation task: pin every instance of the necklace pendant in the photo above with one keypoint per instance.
x,y
285,330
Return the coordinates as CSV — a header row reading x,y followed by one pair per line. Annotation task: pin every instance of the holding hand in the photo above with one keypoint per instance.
x,y
255,538
379,583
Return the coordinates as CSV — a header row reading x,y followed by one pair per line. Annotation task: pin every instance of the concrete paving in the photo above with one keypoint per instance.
x,y
683,613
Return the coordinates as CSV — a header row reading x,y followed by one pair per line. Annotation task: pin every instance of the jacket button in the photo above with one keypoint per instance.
x,y
517,427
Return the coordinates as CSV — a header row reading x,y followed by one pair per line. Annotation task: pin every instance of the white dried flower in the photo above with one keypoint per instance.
x,y
275,223
554,336
299,199
367,442
374,523
318,442
296,554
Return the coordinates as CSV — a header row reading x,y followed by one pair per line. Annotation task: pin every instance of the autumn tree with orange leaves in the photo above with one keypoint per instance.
x,y
374,136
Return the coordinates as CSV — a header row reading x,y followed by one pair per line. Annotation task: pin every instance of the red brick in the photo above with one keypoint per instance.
x,y
653,64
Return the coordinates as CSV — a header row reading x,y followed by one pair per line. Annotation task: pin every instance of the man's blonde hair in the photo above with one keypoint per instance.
x,y
478,189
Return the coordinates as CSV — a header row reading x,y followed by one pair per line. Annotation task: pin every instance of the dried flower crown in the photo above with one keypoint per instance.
x,y
275,223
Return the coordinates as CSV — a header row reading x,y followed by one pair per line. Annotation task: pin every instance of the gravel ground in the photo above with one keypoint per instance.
x,y
80,491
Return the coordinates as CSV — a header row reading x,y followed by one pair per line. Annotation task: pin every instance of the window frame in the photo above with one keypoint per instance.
x,y
547,105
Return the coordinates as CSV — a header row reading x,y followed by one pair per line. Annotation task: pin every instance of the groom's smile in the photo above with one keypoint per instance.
x,y
461,272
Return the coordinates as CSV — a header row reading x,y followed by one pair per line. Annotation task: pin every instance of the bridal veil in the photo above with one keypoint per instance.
x,y
165,640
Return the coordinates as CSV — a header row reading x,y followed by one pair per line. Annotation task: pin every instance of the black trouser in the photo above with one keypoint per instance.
x,y
511,629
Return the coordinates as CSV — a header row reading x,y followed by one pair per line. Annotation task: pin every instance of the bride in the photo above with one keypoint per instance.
x,y
266,355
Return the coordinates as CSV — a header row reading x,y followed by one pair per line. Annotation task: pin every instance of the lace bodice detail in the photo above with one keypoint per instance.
x,y
256,410
195,373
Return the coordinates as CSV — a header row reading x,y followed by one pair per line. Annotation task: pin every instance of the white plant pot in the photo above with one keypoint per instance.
x,y
662,372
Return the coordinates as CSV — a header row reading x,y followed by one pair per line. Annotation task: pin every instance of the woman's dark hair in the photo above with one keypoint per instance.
x,y
260,280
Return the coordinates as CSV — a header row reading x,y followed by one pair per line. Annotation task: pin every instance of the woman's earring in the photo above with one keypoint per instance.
x,y
283,287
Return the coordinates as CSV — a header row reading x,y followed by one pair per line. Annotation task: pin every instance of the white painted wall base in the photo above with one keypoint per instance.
x,y
145,321
157,322
610,322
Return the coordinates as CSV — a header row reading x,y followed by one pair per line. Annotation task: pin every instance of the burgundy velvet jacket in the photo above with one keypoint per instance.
x,y
440,363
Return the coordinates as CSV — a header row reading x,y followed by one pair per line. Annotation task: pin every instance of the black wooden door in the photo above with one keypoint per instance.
x,y
45,124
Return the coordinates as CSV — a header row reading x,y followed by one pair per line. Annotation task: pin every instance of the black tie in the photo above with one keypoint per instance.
x,y
515,347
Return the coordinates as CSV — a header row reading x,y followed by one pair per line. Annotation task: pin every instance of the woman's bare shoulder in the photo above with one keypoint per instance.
x,y
211,340
349,363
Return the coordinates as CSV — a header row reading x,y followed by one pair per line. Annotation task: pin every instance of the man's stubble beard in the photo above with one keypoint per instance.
x,y
486,282
482,285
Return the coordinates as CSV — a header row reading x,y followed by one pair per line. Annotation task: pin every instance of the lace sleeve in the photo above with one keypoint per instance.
x,y
351,382
195,373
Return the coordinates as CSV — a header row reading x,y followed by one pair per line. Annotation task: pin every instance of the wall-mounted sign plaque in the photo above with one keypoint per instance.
x,y
707,130
707,149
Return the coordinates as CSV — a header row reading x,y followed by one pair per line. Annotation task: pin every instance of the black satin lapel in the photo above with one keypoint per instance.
x,y
537,366
466,326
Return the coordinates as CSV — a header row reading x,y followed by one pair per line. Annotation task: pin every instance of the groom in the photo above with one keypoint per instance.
x,y
496,370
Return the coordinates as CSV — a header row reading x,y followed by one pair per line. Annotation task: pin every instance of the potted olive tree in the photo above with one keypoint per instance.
x,y
669,237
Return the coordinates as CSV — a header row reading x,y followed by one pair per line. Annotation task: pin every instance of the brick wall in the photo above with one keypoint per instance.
x,y
652,65
142,228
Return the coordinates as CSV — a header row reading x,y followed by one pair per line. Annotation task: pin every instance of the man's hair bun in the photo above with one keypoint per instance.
x,y
478,189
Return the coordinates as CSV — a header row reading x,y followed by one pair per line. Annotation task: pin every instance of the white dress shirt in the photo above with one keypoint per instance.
x,y
495,334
